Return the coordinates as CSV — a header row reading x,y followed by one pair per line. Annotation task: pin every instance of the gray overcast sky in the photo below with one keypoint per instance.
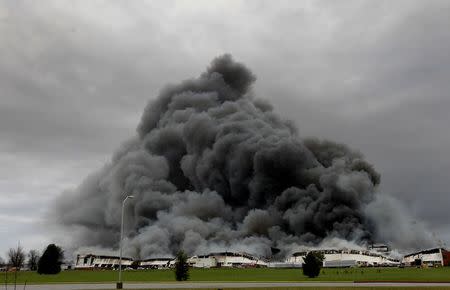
x,y
76,75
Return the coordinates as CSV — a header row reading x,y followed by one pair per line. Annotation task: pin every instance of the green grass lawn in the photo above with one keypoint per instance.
x,y
315,288
225,274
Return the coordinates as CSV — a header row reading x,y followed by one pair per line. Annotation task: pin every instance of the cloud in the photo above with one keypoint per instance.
x,y
212,167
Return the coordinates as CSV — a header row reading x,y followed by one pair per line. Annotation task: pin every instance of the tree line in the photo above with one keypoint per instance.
x,y
48,263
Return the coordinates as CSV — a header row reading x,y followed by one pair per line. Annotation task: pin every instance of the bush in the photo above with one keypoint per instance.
x,y
51,260
312,264
181,267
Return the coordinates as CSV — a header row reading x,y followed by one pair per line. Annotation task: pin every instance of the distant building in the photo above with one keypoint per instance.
x,y
334,258
157,263
222,259
202,261
431,257
67,265
380,248
226,259
283,265
91,261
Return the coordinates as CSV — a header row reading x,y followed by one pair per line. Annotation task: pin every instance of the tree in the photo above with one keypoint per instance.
x,y
16,257
51,260
33,258
181,267
312,264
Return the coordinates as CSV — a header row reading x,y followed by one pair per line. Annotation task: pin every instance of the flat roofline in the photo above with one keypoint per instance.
x,y
157,259
428,251
104,257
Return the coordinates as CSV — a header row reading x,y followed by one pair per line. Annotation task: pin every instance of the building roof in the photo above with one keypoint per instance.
x,y
429,251
156,259
105,257
344,251
228,254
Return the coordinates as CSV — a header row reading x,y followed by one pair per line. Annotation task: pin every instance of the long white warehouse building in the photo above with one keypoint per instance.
x,y
226,259
432,257
212,260
346,258
90,261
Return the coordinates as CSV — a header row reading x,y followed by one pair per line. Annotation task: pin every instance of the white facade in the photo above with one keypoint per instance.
x,y
432,257
380,248
205,261
157,263
91,261
226,259
283,265
346,258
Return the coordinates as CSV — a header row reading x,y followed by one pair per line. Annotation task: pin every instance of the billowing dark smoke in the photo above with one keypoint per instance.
x,y
213,168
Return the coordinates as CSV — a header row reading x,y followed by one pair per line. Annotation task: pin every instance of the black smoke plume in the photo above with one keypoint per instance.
x,y
214,168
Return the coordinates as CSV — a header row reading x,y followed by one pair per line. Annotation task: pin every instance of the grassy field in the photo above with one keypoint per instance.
x,y
315,288
224,274
311,288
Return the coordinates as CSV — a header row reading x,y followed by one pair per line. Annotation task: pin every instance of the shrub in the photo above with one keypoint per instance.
x,y
51,260
181,267
312,264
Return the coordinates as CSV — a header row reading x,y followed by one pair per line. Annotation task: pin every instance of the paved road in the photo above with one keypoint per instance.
x,y
218,285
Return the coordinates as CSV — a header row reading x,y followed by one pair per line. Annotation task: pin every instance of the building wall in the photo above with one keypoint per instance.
x,y
295,260
202,262
361,259
283,265
230,261
445,257
207,261
156,263
225,260
332,258
429,257
93,261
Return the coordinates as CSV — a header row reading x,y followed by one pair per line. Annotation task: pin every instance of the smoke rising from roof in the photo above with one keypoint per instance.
x,y
213,168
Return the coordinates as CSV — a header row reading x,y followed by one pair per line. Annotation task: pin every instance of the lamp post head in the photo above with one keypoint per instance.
x,y
127,197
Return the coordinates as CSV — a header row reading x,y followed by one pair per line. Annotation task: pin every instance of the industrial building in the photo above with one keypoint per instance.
x,y
380,248
346,258
212,260
285,265
91,261
226,259
432,258
157,263
333,258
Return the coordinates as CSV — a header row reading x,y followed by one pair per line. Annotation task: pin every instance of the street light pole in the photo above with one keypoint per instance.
x,y
120,284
